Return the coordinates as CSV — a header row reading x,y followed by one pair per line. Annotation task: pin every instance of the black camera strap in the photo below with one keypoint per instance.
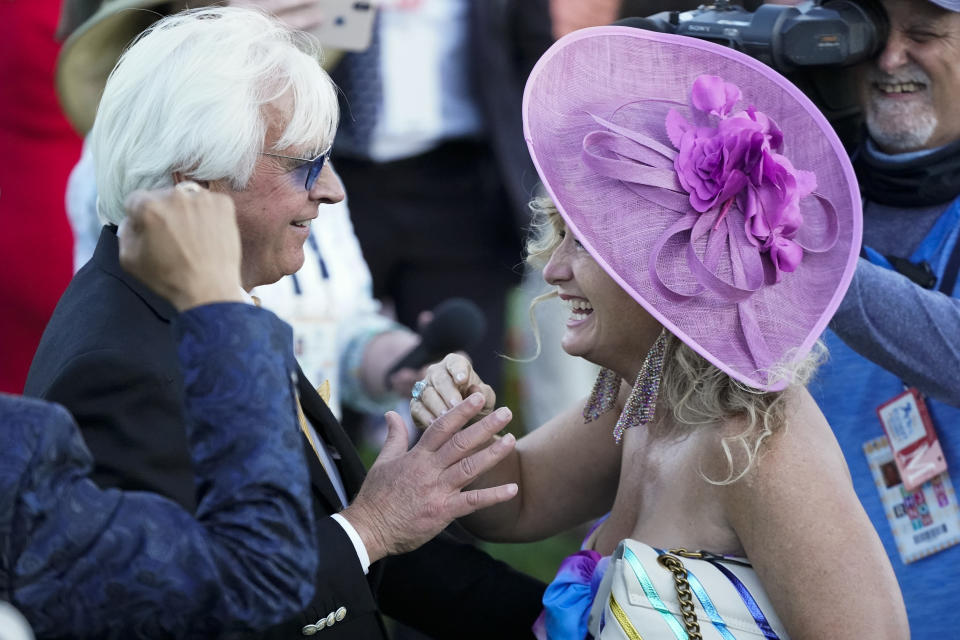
x,y
917,268
919,272
922,274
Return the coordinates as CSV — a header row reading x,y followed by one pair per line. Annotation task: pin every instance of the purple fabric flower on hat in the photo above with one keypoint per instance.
x,y
736,158
771,208
712,95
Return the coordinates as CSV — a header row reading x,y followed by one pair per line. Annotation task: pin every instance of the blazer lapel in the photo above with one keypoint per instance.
x,y
315,409
321,481
352,471
107,257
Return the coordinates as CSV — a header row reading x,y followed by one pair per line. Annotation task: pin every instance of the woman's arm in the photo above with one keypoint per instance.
x,y
566,470
809,539
567,473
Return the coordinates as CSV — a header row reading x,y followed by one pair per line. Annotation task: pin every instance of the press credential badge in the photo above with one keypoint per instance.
x,y
916,448
924,520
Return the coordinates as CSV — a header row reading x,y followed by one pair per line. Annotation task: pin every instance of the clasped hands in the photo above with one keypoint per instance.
x,y
410,496
448,381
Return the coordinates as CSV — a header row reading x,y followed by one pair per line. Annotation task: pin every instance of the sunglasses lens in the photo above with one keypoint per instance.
x,y
315,168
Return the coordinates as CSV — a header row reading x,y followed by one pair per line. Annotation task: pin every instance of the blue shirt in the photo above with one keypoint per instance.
x,y
849,388
85,562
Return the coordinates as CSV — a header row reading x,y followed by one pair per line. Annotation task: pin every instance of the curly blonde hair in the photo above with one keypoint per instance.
x,y
694,391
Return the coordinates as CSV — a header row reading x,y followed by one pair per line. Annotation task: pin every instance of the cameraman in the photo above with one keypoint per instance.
x,y
900,320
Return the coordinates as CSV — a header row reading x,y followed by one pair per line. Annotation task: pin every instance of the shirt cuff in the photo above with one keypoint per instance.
x,y
361,550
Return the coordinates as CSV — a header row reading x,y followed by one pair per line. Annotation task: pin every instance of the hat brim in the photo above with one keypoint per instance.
x,y
586,72
949,5
92,51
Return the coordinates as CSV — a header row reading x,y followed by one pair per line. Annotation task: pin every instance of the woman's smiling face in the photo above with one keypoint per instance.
x,y
606,326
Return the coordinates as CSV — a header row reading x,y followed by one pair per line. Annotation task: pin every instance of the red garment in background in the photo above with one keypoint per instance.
x,y
37,151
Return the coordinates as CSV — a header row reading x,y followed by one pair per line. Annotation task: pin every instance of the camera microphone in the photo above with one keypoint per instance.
x,y
457,325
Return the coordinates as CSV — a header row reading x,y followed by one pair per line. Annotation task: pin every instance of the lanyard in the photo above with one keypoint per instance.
x,y
324,273
933,245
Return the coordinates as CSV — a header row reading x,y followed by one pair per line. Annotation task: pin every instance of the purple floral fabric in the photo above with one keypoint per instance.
x,y
567,600
729,156
84,562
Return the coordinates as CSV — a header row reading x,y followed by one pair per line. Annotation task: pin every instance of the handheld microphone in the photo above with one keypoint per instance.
x,y
457,325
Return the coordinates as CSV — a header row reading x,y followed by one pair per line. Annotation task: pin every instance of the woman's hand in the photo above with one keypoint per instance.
x,y
448,382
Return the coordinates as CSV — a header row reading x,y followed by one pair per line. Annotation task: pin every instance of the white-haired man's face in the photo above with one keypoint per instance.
x,y
275,210
910,91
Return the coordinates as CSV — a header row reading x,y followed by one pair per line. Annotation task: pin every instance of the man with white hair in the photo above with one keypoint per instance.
x,y
900,320
232,100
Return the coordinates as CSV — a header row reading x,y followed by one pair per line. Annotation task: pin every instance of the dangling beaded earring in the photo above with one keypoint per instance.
x,y
603,396
642,403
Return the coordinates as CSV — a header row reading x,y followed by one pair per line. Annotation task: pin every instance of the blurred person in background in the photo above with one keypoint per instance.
x,y
890,389
39,149
430,150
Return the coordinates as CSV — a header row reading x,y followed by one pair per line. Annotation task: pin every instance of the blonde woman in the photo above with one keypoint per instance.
x,y
703,226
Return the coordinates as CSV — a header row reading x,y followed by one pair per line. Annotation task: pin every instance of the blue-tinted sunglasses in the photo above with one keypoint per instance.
x,y
311,168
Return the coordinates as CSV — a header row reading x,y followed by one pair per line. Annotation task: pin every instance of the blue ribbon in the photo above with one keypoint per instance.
x,y
709,607
748,600
651,592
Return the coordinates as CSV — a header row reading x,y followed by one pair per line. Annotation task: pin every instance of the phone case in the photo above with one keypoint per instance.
x,y
347,25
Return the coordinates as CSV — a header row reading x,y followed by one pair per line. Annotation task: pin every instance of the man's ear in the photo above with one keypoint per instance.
x,y
178,177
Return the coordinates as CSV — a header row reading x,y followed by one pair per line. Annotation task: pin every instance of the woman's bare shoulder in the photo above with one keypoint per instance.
x,y
802,442
795,512
806,436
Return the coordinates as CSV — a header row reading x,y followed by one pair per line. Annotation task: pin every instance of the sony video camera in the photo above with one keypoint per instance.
x,y
810,43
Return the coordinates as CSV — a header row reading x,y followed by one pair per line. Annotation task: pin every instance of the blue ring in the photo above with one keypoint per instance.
x,y
418,388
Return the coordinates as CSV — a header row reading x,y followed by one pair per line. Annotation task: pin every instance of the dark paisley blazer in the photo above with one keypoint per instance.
x,y
86,562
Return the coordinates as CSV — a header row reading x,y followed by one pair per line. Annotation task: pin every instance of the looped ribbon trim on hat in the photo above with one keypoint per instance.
x,y
731,186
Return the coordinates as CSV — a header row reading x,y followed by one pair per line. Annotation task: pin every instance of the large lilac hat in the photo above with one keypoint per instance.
x,y
707,185
949,5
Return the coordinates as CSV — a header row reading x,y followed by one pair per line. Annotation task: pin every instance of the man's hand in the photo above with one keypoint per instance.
x,y
183,243
305,15
408,497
